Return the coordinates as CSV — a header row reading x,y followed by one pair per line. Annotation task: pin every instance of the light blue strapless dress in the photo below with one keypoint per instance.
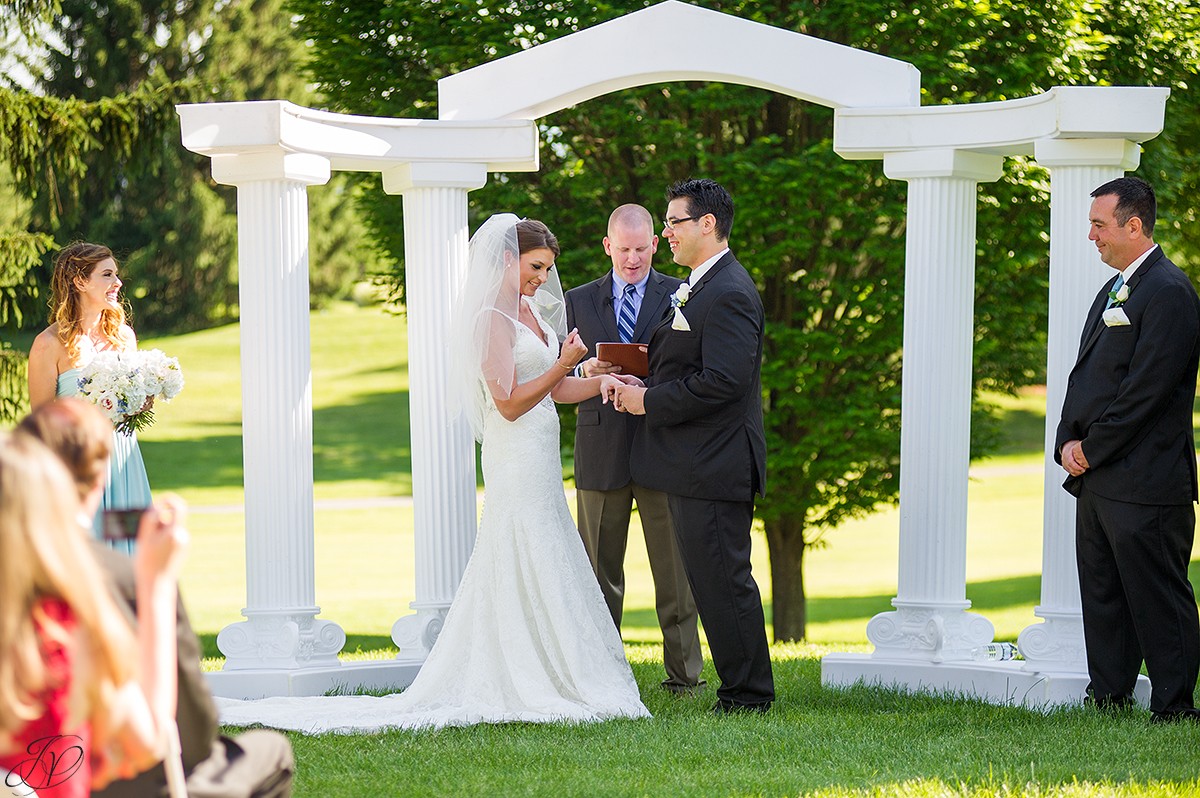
x,y
128,485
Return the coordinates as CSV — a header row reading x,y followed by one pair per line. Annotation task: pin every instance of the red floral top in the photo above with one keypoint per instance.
x,y
49,757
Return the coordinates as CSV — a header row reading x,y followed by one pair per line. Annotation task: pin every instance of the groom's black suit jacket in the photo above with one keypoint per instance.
x,y
703,437
602,435
1129,396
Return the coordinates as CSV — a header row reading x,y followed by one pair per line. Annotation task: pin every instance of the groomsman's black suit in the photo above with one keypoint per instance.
x,y
1129,401
703,444
605,487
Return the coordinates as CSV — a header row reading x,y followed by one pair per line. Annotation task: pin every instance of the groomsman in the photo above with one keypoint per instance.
x,y
623,306
702,441
1126,442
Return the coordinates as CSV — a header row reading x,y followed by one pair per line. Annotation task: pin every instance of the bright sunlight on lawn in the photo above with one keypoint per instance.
x,y
858,742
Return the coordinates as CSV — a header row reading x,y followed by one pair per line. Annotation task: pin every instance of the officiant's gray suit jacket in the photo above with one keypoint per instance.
x,y
602,435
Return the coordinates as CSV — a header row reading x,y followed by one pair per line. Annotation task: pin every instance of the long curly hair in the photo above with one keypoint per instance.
x,y
44,554
75,264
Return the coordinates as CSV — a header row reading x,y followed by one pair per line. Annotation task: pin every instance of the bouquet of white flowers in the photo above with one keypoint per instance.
x,y
122,384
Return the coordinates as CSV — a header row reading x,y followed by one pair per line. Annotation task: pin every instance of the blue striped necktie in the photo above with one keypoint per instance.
x,y
626,318
1116,287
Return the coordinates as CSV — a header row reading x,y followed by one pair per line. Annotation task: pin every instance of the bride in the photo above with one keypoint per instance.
x,y
528,636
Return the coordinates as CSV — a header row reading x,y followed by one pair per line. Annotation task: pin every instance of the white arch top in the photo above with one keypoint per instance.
x,y
354,143
640,48
1009,127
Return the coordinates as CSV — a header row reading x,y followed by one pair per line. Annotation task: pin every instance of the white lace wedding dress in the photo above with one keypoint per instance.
x,y
528,636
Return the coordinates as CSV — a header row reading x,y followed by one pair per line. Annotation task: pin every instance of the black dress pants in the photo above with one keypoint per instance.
x,y
1137,601
714,542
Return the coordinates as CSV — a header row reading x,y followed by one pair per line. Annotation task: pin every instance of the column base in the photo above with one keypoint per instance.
x,y
281,639
342,678
1054,645
1003,683
415,634
928,632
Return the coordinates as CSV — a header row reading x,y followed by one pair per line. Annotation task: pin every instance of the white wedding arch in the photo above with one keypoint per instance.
x,y
273,150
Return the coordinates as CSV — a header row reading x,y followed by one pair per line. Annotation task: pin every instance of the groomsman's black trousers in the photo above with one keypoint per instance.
x,y
714,542
1137,601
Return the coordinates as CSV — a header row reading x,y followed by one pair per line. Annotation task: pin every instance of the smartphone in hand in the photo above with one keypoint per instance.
x,y
122,524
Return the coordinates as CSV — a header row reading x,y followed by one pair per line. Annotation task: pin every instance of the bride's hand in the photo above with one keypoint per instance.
x,y
608,387
629,379
573,350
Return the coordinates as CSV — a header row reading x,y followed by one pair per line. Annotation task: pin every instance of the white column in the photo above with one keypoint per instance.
x,y
1077,166
930,622
280,630
443,449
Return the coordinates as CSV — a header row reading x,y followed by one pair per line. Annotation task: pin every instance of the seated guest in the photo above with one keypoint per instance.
x,y
257,763
81,702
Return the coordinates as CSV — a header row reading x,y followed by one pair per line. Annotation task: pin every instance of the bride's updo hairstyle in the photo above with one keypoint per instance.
x,y
532,234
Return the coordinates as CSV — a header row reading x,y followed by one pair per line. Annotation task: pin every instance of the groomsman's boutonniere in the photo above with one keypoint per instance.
x,y
1119,296
678,300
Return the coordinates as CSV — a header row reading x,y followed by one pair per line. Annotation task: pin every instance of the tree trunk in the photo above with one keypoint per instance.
x,y
785,544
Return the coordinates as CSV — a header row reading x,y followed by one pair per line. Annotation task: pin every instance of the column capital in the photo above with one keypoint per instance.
x,y
232,169
434,174
943,163
1121,153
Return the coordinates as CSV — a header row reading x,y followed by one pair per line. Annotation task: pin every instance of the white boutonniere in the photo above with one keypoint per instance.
x,y
1115,316
678,300
1119,296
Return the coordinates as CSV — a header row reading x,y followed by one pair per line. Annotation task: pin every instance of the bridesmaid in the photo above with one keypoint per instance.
x,y
86,317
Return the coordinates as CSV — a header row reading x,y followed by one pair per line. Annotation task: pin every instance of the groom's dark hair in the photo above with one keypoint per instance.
x,y
706,196
1135,197
532,234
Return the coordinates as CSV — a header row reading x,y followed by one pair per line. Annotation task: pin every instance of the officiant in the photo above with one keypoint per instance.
x,y
623,306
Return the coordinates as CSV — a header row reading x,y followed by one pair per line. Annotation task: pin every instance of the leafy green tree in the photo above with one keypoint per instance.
x,y
823,237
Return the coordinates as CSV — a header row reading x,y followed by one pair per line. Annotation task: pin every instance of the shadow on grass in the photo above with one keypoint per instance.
x,y
1020,431
994,594
210,462
364,440
369,439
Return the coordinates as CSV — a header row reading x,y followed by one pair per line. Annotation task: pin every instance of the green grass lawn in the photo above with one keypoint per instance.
x,y
857,742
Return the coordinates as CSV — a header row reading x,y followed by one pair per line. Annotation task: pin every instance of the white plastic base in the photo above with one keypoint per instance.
x,y
345,678
1005,683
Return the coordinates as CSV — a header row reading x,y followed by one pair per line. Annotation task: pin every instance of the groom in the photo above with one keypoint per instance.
x,y
702,442
626,304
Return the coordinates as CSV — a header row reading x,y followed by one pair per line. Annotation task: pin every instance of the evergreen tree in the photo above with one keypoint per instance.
x,y
94,147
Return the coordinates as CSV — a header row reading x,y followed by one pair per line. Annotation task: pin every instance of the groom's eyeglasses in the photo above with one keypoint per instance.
x,y
670,223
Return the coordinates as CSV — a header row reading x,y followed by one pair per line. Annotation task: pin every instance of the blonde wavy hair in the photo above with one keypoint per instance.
x,y
44,554
75,263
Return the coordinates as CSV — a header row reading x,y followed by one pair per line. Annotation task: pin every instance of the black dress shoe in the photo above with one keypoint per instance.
x,y
1109,703
1176,716
683,689
723,707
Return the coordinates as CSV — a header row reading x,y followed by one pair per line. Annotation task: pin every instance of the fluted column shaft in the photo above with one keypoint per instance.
x,y
1077,166
281,630
443,449
930,622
